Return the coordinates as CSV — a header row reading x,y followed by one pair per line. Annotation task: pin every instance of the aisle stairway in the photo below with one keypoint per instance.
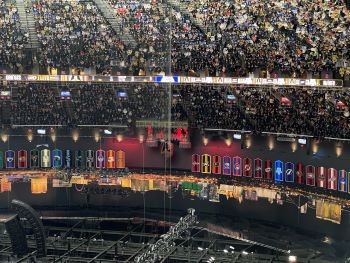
x,y
5,112
68,106
240,104
294,100
183,9
28,23
115,22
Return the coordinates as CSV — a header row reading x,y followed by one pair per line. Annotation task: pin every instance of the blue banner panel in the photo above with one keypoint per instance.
x,y
56,158
278,171
100,159
10,159
289,172
237,166
343,181
226,165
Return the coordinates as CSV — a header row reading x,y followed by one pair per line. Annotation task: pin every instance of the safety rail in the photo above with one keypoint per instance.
x,y
285,82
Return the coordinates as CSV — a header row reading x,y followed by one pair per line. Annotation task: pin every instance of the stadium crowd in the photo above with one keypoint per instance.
x,y
12,38
309,111
75,34
291,36
91,104
217,37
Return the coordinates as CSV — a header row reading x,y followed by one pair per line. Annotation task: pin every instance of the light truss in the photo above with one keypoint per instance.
x,y
166,243
86,240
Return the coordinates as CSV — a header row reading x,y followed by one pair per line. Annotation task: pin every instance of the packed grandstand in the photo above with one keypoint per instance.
x,y
214,38
218,37
189,99
294,110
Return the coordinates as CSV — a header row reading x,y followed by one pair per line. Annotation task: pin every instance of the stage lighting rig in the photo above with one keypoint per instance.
x,y
155,251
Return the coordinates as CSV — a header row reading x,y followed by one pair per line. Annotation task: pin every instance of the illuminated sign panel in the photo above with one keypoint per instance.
x,y
179,80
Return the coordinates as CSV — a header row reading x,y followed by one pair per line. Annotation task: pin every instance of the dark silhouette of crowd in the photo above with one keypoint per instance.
x,y
316,112
92,104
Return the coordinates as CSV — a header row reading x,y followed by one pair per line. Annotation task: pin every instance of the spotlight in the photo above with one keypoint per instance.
x,y
41,131
200,248
75,135
292,259
338,149
30,135
270,142
246,142
237,136
228,142
314,147
97,136
244,252
205,140
53,135
119,137
4,137
107,132
302,141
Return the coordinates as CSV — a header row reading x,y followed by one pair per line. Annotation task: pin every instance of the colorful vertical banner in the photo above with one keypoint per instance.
x,y
34,158
328,211
68,159
278,171
321,177
79,159
56,158
100,159
22,159
268,170
90,159
258,172
206,163
332,179
247,167
300,173
110,159
237,166
5,185
1,160
289,172
45,155
310,175
120,159
38,185
10,159
343,181
226,165
216,164
196,163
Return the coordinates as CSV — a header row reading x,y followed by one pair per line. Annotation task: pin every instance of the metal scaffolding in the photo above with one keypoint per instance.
x,y
166,243
105,240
